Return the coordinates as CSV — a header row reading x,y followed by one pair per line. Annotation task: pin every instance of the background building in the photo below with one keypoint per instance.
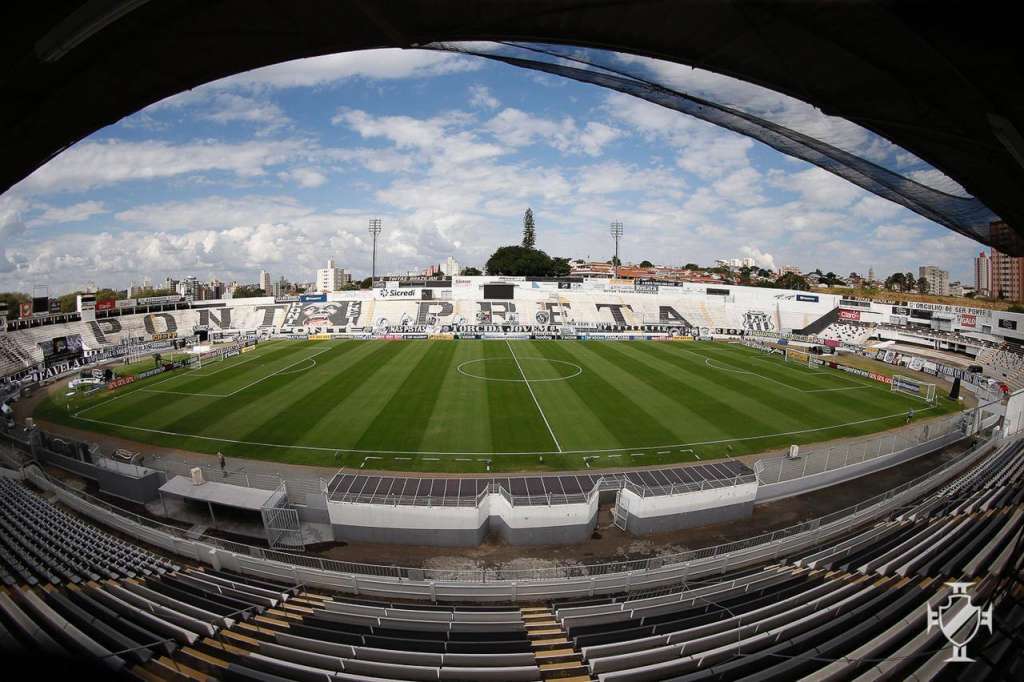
x,y
1007,272
450,267
983,274
264,282
331,278
938,280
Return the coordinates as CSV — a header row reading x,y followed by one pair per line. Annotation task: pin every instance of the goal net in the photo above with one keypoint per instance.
x,y
902,384
798,356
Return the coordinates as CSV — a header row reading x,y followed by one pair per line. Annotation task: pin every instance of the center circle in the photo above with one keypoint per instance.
x,y
466,369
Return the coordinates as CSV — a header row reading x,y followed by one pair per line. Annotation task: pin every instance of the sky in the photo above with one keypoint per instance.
x,y
281,168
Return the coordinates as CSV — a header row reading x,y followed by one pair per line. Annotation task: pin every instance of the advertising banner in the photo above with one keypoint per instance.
x,y
808,298
105,305
120,381
391,293
313,298
853,315
159,300
968,320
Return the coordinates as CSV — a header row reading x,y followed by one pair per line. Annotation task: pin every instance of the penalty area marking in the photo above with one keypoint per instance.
x,y
736,370
249,385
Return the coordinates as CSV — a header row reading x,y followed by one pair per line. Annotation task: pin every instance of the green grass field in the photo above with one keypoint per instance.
x,y
524,405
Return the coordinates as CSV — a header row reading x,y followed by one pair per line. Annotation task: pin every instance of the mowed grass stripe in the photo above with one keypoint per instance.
x,y
317,415
612,399
460,418
402,421
571,417
762,407
789,409
211,417
765,374
269,401
870,395
702,402
516,425
166,411
640,395
236,374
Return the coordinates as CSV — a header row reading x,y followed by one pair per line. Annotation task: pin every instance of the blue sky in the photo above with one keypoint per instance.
x,y
281,168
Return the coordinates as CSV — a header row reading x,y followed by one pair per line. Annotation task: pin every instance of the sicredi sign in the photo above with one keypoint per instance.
x,y
396,292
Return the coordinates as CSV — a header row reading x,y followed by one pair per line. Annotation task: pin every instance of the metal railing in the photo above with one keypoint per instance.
x,y
816,460
845,518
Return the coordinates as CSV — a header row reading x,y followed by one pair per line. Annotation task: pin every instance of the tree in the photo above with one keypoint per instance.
x,y
13,299
471,272
525,262
1015,308
529,230
745,274
248,291
615,261
366,283
909,281
691,266
68,302
922,285
646,264
791,280
560,267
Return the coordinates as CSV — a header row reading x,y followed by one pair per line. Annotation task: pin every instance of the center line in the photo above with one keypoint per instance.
x,y
530,389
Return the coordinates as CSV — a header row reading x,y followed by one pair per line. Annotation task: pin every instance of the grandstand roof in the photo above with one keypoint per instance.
x,y
239,497
942,81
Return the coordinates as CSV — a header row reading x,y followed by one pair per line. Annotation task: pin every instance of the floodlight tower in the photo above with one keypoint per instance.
x,y
375,228
616,232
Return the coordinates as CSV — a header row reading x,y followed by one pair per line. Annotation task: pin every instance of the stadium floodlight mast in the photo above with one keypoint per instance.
x,y
375,228
616,232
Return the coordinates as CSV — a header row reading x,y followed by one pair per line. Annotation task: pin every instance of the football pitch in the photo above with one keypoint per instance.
x,y
510,405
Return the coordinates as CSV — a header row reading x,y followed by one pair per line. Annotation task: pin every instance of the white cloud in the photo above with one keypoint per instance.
x,y
480,96
441,136
213,213
70,214
229,107
763,260
94,164
701,148
517,128
304,177
741,187
12,225
382,64
595,136
818,187
614,176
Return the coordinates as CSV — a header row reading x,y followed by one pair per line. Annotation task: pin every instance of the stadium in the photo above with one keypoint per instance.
x,y
516,478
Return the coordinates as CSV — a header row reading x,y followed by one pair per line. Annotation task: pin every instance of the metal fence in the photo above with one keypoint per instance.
x,y
819,459
844,518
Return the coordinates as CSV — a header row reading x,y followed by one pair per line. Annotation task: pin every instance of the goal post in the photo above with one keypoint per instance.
x,y
911,386
798,356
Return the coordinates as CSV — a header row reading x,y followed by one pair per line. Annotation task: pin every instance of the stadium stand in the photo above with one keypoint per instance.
x,y
846,333
854,605
1003,363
